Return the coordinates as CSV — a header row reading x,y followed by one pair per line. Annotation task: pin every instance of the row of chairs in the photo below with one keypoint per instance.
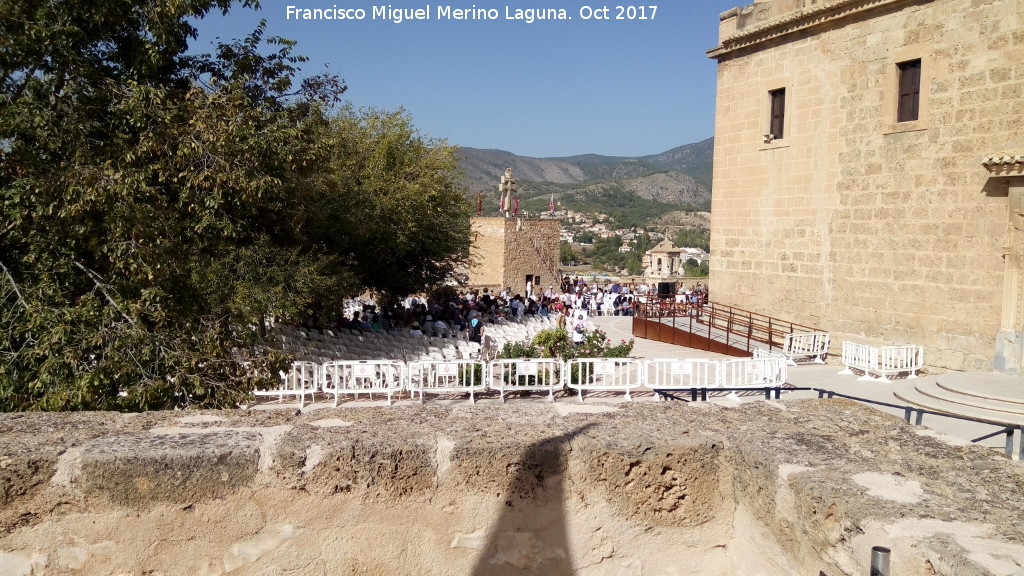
x,y
316,346
313,346
341,378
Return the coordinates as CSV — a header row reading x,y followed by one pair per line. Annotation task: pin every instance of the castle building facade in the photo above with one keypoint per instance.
x,y
868,172
509,252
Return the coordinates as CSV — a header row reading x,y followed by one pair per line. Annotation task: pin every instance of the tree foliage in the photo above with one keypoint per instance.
x,y
391,203
565,253
156,206
698,237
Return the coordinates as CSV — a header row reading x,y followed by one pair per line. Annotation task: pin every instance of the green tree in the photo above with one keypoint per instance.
x,y
693,238
694,268
634,265
606,255
156,206
585,237
566,255
643,243
390,203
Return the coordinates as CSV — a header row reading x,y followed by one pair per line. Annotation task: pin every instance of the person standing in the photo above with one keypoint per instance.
x,y
579,331
476,328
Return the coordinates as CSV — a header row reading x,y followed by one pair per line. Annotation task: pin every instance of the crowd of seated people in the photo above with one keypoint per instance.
x,y
457,315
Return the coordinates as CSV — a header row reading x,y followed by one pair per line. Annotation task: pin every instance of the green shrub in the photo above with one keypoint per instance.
x,y
553,342
519,350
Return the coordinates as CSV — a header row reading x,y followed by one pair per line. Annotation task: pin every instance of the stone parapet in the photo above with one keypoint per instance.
x,y
517,488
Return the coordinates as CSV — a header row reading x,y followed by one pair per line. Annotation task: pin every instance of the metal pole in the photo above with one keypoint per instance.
x,y
1009,442
880,561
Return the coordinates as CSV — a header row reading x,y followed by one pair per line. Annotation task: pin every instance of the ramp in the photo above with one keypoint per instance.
x,y
713,327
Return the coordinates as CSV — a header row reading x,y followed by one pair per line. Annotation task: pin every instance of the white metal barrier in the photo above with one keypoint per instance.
x,y
301,379
438,376
521,374
859,356
354,377
782,366
616,374
883,361
667,374
806,344
362,377
897,359
755,372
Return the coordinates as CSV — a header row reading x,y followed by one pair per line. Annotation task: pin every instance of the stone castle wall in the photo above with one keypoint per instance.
x,y
522,488
506,250
487,253
872,230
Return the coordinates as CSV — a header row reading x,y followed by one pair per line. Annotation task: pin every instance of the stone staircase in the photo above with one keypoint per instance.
x,y
982,395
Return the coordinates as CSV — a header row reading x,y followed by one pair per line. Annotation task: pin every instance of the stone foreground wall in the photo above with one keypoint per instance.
x,y
801,487
876,231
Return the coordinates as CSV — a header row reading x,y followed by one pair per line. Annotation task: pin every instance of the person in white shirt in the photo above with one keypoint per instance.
x,y
579,330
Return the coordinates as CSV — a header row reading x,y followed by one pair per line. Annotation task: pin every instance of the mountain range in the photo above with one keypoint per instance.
x,y
631,190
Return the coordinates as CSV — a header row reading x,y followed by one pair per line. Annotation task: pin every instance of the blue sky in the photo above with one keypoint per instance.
x,y
550,88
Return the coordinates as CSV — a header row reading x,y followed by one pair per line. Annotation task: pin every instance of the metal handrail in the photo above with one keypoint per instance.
x,y
908,411
747,325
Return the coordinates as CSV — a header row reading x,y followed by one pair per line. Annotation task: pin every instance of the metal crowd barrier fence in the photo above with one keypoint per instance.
x,y
779,368
616,374
524,374
806,344
438,376
897,359
339,378
693,373
759,372
883,361
356,377
301,379
859,356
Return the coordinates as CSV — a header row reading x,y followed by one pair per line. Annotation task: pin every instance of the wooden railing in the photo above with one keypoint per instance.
x,y
711,326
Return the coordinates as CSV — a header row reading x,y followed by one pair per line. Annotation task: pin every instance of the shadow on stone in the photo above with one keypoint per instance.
x,y
531,534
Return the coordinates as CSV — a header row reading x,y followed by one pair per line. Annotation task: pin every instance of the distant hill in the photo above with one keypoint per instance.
x,y
633,190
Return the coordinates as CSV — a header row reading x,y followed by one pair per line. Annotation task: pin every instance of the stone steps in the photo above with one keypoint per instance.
x,y
986,396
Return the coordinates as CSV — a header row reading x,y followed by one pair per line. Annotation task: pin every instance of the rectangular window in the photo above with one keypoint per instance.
x,y
778,113
908,105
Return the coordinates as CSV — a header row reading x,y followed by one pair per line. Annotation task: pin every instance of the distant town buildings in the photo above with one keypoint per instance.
x,y
668,261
